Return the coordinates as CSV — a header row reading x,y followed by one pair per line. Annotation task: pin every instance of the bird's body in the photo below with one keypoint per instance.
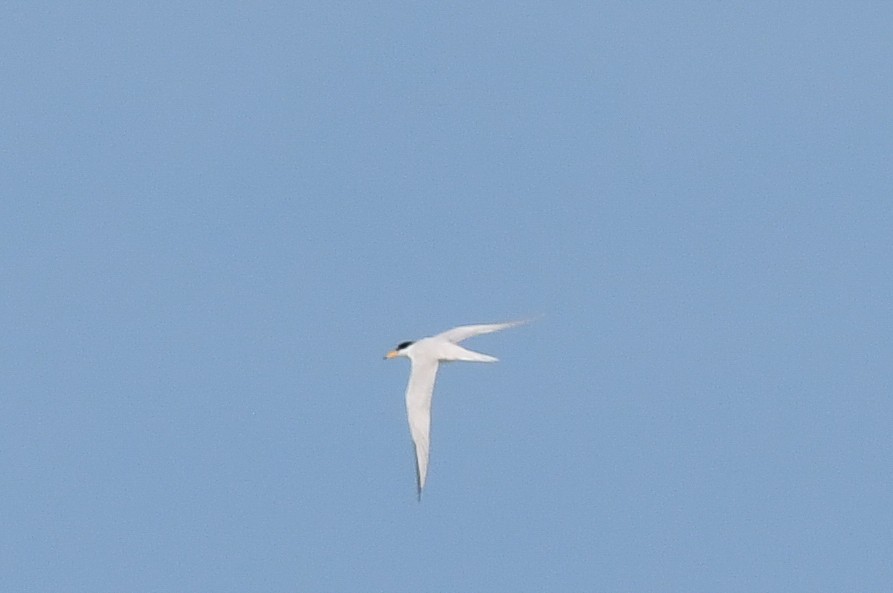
x,y
426,355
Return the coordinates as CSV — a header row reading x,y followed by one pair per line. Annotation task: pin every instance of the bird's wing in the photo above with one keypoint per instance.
x,y
419,393
457,334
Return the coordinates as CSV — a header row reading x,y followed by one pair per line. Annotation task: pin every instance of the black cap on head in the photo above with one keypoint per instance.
x,y
403,345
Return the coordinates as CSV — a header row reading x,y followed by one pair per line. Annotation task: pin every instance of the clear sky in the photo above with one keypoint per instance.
x,y
217,217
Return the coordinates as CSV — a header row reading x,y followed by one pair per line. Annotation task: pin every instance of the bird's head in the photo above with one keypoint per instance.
x,y
400,350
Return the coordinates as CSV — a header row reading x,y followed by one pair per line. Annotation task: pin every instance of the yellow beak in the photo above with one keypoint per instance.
x,y
391,354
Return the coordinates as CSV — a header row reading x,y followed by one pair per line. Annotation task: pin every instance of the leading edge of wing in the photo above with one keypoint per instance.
x,y
463,332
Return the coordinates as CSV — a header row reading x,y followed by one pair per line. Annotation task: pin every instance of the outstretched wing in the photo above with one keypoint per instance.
x,y
419,393
457,334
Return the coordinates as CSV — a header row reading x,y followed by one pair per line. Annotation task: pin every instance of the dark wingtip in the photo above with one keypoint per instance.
x,y
418,475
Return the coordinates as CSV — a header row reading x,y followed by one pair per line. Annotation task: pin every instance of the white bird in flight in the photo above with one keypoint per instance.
x,y
426,354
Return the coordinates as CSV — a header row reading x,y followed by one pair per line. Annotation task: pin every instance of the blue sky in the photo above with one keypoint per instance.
x,y
217,217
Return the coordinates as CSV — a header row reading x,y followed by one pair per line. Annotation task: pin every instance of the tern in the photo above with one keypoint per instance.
x,y
426,355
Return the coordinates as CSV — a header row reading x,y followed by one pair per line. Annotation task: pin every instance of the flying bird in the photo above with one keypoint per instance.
x,y
426,355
